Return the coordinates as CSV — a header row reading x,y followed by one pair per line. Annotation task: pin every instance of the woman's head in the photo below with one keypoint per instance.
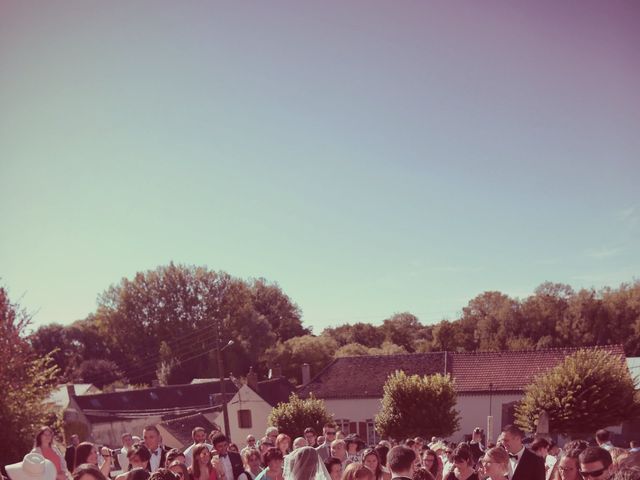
x,y
173,455
422,474
272,458
180,469
462,457
138,474
163,474
371,460
44,437
304,464
569,467
87,471
495,462
357,471
201,454
86,452
139,456
251,459
334,467
430,461
283,442
382,450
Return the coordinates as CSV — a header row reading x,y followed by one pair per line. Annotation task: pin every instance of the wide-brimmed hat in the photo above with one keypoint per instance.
x,y
33,467
435,446
353,438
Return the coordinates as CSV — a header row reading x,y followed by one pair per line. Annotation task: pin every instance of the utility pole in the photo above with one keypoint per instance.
x,y
225,413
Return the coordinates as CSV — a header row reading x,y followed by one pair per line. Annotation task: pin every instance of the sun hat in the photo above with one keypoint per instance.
x,y
33,467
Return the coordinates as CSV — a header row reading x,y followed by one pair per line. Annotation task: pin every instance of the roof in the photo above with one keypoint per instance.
x,y
158,401
182,427
60,396
275,390
473,372
508,371
364,376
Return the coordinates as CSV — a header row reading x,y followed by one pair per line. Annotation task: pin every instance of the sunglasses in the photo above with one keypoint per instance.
x,y
331,433
593,473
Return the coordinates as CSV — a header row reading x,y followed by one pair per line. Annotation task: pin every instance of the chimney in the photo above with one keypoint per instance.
x,y
252,379
275,372
306,373
71,390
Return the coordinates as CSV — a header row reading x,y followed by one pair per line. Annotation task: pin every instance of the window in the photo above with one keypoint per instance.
x,y
244,418
343,425
372,436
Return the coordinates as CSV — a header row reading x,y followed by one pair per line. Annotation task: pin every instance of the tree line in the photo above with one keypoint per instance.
x,y
164,324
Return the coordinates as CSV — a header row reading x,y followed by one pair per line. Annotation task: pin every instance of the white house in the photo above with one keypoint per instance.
x,y
488,384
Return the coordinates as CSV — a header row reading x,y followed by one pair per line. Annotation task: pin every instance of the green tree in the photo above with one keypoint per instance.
x,y
402,329
277,308
494,318
297,414
415,405
26,379
290,355
589,390
447,336
362,333
98,372
352,350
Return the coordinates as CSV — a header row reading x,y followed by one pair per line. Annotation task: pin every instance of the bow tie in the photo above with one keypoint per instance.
x,y
514,456
156,452
223,456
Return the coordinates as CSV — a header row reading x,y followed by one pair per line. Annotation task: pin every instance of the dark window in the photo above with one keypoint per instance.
x,y
244,418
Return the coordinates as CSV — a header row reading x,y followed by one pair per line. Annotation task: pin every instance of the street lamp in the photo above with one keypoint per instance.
x,y
225,413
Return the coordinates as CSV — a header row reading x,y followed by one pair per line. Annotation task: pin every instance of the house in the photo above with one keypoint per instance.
x,y
488,385
58,399
103,418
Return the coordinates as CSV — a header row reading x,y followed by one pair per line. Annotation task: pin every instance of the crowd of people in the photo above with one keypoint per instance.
x,y
329,456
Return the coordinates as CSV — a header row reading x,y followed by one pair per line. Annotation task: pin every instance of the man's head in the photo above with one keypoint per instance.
x,y
310,436
199,435
477,434
595,464
75,440
271,433
339,449
266,444
401,460
329,432
139,455
540,447
300,442
220,443
512,438
602,436
127,440
251,441
151,436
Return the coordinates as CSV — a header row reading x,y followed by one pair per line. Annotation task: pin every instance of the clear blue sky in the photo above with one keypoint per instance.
x,y
370,157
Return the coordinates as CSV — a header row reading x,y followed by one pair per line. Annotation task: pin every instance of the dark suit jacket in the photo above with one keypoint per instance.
x,y
70,457
163,458
530,467
236,464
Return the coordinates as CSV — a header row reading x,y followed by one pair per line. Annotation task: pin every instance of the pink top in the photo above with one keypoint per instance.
x,y
50,454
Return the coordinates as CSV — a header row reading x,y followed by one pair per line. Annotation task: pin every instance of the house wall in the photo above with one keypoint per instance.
x,y
246,399
474,410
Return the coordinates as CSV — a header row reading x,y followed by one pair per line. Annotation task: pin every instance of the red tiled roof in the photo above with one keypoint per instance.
x,y
508,371
473,372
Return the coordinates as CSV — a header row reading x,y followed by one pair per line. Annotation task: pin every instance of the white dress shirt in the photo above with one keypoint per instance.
x,y
226,465
513,462
154,462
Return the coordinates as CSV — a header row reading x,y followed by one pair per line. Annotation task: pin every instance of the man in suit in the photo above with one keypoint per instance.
x,y
152,441
329,433
523,464
230,462
401,461
121,460
70,453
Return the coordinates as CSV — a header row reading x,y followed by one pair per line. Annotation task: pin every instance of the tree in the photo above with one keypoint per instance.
x,y
97,372
297,414
352,350
290,355
362,333
282,314
415,405
589,390
401,329
26,379
494,318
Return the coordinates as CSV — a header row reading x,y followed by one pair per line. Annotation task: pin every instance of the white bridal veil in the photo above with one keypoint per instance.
x,y
305,464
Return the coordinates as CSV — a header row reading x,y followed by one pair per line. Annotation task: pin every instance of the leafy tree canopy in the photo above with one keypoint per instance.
x,y
297,414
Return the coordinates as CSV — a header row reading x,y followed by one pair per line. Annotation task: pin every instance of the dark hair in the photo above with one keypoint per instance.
x,y
218,438
329,425
138,473
513,430
462,453
195,464
163,474
627,473
596,454
410,442
183,467
382,451
423,474
434,468
38,441
372,451
539,443
400,458
309,430
603,435
272,454
575,446
196,430
151,428
330,461
89,469
141,450
82,453
172,455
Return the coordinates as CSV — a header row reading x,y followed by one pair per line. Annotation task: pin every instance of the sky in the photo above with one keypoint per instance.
x,y
369,157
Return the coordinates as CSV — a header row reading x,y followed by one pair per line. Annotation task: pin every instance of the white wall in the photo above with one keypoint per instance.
x,y
247,399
